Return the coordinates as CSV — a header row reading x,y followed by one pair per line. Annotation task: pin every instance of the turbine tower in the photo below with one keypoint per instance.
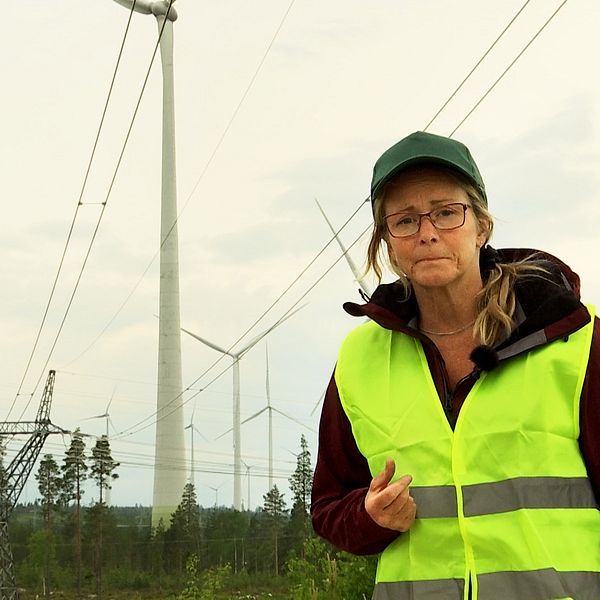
x,y
236,356
270,410
169,457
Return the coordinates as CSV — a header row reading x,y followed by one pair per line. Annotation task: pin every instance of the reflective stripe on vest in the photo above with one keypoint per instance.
x,y
547,583
505,496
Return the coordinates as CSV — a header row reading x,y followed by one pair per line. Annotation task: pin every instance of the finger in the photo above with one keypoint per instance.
x,y
381,480
407,516
399,503
389,494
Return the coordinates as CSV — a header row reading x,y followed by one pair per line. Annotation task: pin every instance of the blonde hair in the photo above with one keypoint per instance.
x,y
496,302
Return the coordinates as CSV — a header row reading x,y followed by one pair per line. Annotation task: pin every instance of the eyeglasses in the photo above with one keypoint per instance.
x,y
449,216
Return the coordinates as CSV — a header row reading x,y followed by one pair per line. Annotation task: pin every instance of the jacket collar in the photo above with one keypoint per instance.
x,y
548,307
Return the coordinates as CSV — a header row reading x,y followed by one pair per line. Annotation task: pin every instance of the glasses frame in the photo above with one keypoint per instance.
x,y
427,214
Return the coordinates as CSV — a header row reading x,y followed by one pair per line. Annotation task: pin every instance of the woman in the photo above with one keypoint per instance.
x,y
459,434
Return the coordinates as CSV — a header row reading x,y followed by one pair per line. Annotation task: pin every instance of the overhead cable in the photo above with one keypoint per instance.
x,y
362,203
202,173
460,85
136,427
508,68
79,203
89,249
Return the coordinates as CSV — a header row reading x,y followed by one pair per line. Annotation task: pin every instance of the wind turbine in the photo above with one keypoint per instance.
x,y
169,480
248,467
193,429
216,490
357,275
270,409
236,356
106,415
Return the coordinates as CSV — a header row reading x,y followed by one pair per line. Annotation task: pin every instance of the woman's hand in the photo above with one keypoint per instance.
x,y
391,505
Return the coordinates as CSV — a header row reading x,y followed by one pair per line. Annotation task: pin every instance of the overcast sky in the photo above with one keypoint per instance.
x,y
341,82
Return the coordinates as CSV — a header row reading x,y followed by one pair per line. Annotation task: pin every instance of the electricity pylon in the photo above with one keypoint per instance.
x,y
14,476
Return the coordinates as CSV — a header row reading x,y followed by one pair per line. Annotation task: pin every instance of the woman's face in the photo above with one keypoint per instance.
x,y
433,258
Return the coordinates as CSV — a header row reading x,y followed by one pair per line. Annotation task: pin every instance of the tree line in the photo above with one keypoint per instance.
x,y
59,543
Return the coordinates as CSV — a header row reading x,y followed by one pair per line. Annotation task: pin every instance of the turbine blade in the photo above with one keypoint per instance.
x,y
312,412
293,419
200,433
224,433
111,399
206,342
111,424
268,387
259,337
96,417
351,264
256,414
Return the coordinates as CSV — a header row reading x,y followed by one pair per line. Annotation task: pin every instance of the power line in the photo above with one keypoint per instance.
x,y
79,203
508,68
131,430
243,335
460,85
510,23
202,174
89,249
356,211
135,428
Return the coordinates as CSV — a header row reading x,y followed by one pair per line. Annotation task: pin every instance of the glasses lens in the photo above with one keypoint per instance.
x,y
449,216
403,224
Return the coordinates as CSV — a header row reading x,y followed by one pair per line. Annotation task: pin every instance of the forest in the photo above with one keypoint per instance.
x,y
68,548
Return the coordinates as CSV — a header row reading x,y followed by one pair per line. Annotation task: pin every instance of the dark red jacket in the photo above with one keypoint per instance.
x,y
548,309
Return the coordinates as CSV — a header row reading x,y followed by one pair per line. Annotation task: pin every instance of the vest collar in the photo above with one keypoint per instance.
x,y
547,308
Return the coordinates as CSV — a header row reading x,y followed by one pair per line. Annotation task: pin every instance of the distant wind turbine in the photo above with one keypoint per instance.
x,y
270,408
357,275
193,429
248,467
236,356
216,490
106,415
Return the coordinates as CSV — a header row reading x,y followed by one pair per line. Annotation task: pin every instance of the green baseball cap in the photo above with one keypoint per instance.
x,y
422,148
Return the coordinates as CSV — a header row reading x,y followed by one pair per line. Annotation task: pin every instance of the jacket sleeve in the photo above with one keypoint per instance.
x,y
589,417
340,484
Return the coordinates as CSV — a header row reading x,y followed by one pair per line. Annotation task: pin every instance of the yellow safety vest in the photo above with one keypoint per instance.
x,y
504,504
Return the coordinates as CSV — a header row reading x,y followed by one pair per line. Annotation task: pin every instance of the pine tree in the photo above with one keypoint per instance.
x,y
184,533
49,485
301,478
187,514
275,509
157,550
74,471
301,486
103,466
102,472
